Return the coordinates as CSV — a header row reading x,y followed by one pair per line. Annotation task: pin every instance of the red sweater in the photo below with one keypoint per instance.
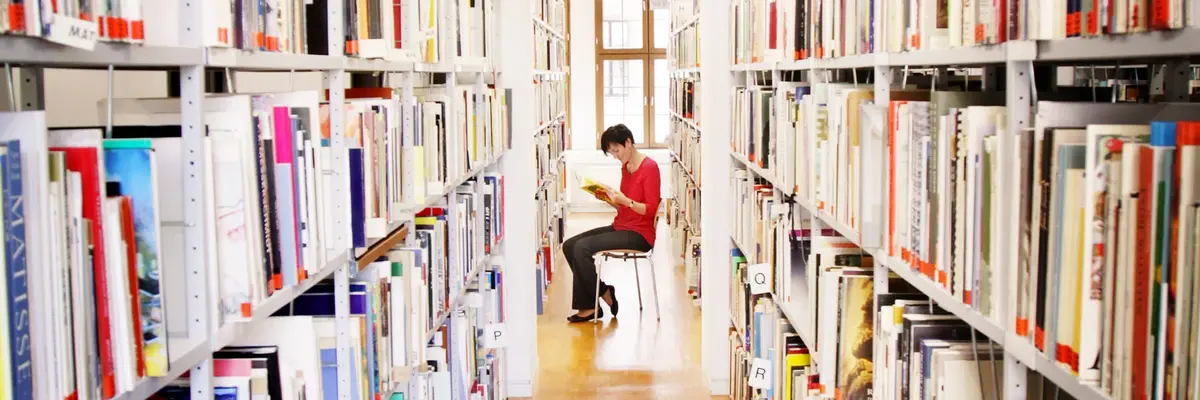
x,y
642,186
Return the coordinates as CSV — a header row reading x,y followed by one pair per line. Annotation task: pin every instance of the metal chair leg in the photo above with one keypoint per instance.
x,y
599,266
637,276
654,288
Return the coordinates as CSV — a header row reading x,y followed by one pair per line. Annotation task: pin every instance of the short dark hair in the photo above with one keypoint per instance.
x,y
616,134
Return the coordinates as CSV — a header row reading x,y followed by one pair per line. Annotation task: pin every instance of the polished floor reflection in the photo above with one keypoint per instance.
x,y
633,356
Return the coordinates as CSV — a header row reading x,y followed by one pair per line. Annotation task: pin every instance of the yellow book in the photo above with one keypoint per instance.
x,y
597,189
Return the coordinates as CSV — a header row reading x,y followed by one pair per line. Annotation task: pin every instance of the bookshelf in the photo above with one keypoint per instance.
x,y
391,220
844,156
683,208
551,67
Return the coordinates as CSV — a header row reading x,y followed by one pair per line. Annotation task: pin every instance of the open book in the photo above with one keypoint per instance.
x,y
597,189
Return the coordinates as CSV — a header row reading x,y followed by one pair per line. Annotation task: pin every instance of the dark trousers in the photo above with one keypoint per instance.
x,y
579,250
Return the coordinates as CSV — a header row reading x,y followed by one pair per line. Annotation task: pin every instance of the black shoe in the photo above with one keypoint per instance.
x,y
614,306
595,315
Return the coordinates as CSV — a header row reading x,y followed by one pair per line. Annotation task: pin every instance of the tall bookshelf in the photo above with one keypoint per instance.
x,y
369,260
550,97
844,151
683,208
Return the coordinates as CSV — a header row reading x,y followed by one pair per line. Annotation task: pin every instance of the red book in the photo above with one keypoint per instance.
x,y
397,32
127,232
1141,272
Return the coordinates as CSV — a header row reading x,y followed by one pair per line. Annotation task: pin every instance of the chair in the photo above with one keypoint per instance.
x,y
635,255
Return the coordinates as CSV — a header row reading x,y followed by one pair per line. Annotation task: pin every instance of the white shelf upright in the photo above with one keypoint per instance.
x,y
520,178
716,215
191,93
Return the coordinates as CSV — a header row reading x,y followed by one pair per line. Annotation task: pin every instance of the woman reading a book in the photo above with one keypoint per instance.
x,y
632,229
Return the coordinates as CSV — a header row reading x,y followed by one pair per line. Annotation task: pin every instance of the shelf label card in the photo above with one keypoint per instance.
x,y
760,374
74,32
760,278
495,336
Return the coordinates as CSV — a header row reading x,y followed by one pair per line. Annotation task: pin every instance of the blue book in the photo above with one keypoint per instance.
x,y
319,301
357,200
539,291
329,379
329,373
17,279
129,165
225,393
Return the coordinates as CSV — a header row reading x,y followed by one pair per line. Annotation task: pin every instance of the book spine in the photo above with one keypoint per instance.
x,y
17,279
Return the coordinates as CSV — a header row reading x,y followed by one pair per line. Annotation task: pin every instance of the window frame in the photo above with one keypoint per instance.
x,y
647,53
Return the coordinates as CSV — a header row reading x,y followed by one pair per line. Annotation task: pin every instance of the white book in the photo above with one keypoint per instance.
x,y
231,203
119,301
298,351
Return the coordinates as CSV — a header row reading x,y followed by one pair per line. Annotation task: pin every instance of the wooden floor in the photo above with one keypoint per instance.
x,y
633,356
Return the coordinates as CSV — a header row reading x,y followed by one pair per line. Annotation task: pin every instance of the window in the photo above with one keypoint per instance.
x,y
631,69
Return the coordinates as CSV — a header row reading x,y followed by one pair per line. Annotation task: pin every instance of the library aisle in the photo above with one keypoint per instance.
x,y
631,357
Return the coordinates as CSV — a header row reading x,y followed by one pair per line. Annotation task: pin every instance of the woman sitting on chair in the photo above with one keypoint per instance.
x,y
632,229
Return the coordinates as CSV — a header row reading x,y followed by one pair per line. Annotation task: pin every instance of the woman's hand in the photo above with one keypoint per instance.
x,y
603,194
620,199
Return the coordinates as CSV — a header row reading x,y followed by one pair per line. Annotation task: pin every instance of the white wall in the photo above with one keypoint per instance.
x,y
72,96
583,157
599,167
583,75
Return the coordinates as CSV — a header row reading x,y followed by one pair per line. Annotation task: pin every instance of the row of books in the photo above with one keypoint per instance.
x,y
818,328
94,202
945,214
372,29
750,136
683,216
686,193
684,92
549,49
684,142
685,47
781,30
551,12
423,303
941,197
550,100
552,138
455,130
551,143
122,21
400,29
1111,303
683,209
552,173
550,217
390,357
